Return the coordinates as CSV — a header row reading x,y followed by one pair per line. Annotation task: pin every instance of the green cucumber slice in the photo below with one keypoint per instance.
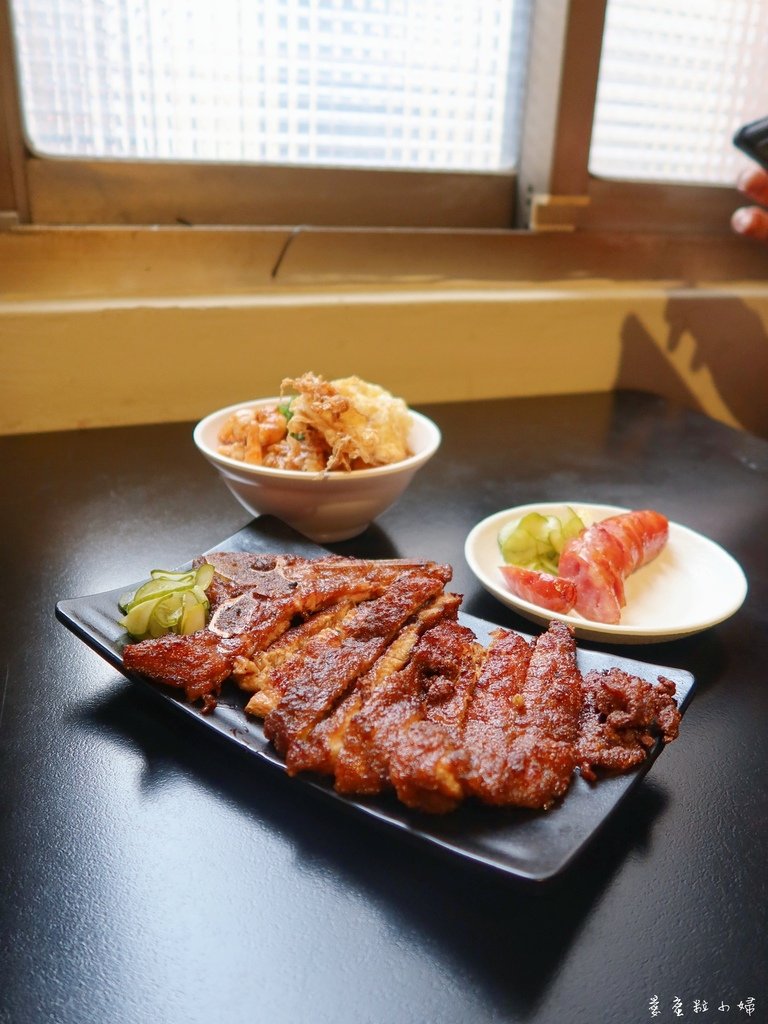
x,y
160,588
535,541
170,602
166,615
167,574
193,614
204,576
136,622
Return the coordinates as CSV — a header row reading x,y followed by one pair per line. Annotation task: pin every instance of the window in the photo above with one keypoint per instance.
x,y
589,115
225,80
676,80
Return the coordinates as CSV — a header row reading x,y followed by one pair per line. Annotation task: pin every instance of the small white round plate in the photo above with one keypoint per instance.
x,y
692,585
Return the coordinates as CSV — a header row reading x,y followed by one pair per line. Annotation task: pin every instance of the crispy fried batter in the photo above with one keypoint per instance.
x,y
361,423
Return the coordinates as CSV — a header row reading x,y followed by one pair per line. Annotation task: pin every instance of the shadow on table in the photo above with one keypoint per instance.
x,y
504,937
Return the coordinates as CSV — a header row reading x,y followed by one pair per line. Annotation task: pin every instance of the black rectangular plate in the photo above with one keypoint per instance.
x,y
532,845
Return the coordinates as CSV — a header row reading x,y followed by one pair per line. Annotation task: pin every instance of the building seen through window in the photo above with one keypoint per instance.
x,y
360,83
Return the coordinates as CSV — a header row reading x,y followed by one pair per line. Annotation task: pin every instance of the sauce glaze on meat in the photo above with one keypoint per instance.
x,y
361,671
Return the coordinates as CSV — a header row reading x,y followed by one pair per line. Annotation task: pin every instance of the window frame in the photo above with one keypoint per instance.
x,y
59,191
552,189
557,191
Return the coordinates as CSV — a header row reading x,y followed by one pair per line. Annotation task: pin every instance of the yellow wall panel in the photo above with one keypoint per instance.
x,y
84,364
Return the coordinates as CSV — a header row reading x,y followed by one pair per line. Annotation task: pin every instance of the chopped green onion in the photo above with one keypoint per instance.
x,y
284,408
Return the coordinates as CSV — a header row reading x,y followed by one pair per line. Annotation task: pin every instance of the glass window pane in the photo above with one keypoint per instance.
x,y
676,81
361,83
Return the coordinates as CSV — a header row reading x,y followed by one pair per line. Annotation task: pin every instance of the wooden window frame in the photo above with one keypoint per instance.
x,y
557,192
552,190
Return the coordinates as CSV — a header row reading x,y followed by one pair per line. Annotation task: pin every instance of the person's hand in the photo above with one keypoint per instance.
x,y
752,221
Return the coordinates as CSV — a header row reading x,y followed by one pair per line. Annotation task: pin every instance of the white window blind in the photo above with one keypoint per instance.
x,y
676,80
425,84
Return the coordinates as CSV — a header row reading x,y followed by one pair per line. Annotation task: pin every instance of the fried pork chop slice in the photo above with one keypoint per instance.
x,y
493,719
541,758
622,716
362,759
237,572
427,758
393,727
331,661
198,663
303,587
256,675
499,725
516,736
257,600
318,750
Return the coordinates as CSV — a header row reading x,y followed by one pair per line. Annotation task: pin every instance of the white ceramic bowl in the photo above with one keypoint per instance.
x,y
325,507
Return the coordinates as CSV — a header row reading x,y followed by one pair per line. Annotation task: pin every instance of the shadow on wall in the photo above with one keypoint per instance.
x,y
726,338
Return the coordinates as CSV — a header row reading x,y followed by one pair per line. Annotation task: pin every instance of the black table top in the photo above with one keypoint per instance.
x,y
147,874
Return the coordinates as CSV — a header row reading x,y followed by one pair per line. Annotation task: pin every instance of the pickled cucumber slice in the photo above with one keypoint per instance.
x,y
136,622
159,588
204,575
567,528
193,615
166,574
170,602
536,541
166,615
